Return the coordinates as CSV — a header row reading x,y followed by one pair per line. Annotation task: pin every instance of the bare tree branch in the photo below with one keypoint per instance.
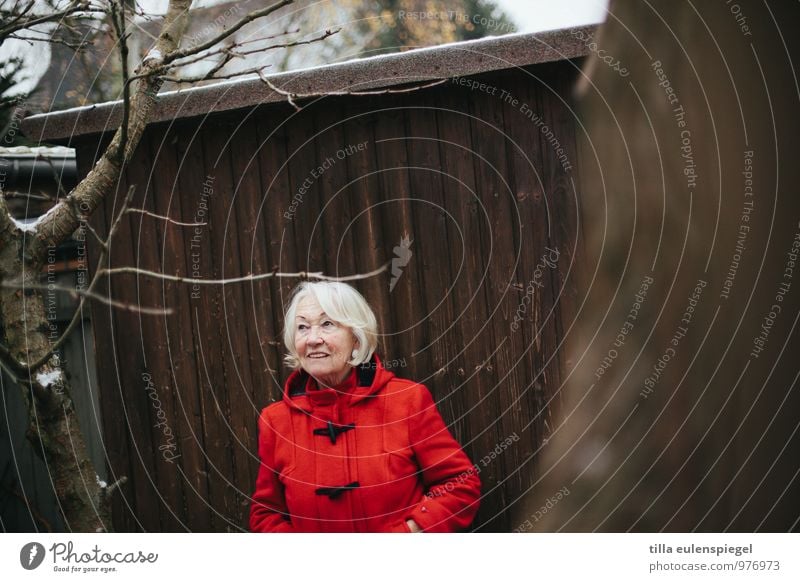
x,y
290,96
63,220
24,21
238,53
248,278
104,244
118,21
180,53
165,218
210,77
52,40
85,293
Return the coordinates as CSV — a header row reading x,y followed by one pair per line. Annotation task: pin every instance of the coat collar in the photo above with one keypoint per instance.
x,y
366,380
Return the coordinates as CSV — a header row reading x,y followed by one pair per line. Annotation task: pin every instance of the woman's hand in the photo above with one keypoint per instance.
x,y
412,525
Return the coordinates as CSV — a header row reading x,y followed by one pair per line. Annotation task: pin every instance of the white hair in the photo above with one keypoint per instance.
x,y
343,304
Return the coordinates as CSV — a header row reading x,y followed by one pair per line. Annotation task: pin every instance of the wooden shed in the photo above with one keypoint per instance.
x,y
468,187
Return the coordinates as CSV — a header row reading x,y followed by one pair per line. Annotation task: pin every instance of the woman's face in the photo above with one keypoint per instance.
x,y
323,346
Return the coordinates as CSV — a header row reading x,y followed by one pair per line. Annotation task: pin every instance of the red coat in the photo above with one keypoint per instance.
x,y
363,457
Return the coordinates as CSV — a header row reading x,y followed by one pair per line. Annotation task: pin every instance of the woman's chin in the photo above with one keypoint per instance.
x,y
324,373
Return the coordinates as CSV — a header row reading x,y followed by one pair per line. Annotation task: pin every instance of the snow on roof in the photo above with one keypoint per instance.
x,y
37,152
414,66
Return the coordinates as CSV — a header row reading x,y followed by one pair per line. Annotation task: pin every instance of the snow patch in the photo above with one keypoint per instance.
x,y
102,484
155,55
45,379
27,224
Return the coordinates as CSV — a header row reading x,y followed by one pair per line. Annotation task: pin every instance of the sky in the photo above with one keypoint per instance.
x,y
538,15
530,15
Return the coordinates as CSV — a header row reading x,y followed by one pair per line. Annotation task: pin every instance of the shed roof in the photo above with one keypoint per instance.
x,y
418,65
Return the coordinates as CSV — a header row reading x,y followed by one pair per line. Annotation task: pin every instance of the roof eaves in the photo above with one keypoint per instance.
x,y
378,72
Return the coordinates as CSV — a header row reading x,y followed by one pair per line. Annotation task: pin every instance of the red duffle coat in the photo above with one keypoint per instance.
x,y
362,457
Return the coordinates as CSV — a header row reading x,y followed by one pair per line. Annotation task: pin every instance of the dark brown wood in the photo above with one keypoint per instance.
x,y
465,201
183,373
148,246
115,439
189,186
458,170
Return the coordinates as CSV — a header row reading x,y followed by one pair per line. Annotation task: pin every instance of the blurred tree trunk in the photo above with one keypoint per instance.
x,y
689,200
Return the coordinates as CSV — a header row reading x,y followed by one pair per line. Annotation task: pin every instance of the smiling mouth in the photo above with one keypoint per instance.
x,y
317,356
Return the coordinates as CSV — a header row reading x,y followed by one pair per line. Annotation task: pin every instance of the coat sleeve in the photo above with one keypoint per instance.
x,y
268,512
451,482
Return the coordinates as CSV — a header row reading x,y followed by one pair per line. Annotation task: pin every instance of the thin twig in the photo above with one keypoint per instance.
x,y
118,20
119,482
167,218
245,279
25,23
79,292
76,317
56,177
208,76
95,234
180,53
50,39
203,56
290,96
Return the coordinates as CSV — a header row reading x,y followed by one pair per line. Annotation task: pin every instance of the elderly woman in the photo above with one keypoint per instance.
x,y
351,447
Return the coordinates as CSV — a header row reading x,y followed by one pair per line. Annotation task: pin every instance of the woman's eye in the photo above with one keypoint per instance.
x,y
302,327
328,324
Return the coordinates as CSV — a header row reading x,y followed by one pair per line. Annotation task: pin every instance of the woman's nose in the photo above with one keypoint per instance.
x,y
314,336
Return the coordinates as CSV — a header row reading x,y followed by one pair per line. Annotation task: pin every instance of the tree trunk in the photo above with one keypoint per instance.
x,y
54,430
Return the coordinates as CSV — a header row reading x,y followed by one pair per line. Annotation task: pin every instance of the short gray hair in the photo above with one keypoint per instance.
x,y
345,306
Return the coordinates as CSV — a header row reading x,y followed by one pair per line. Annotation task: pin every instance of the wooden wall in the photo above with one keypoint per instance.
x,y
469,174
